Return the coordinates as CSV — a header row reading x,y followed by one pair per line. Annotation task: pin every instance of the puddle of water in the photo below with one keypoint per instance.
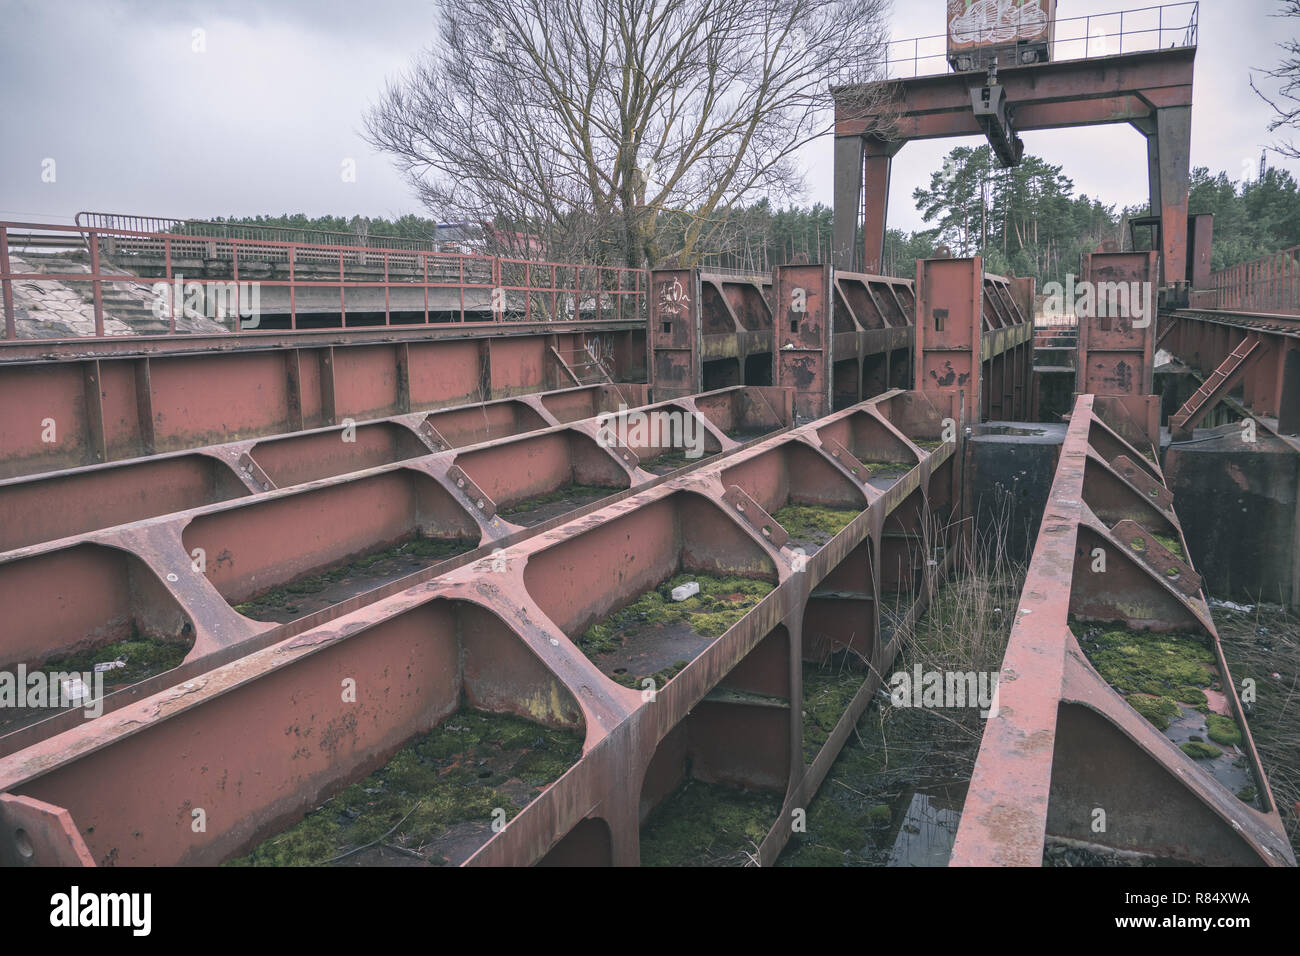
x,y
927,832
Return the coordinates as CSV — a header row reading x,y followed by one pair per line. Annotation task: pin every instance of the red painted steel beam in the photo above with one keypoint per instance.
x,y
52,505
500,634
1050,92
1063,743
83,407
278,536
1150,90
1117,341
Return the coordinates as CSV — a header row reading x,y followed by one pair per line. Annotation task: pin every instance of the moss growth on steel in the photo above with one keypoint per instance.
x,y
144,657
452,774
1223,730
426,549
559,494
660,678
705,824
889,469
1171,544
1143,662
813,521
1200,750
1159,711
1247,793
722,602
827,692
929,444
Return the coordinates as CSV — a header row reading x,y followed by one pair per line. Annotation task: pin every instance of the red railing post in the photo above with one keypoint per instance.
x,y
293,287
11,323
95,283
235,325
171,288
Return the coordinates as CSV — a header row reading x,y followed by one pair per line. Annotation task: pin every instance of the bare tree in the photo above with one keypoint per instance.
x,y
1286,102
581,121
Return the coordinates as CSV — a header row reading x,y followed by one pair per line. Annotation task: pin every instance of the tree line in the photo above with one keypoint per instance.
x,y
1025,220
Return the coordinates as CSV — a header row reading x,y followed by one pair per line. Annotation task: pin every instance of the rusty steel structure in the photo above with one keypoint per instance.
x,y
100,559
1116,349
1150,89
496,630
1066,744
127,396
837,338
308,284
1269,285
1239,332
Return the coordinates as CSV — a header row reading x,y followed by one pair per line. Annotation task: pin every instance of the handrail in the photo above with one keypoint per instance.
x,y
1177,22
1268,284
243,230
517,289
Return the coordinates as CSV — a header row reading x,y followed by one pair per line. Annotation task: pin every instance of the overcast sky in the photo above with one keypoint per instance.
x,y
262,119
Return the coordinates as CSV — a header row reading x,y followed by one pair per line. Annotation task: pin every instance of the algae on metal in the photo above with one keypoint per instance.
x,y
707,824
144,657
428,550
564,493
1144,662
1172,545
888,469
827,691
453,774
1200,750
722,602
813,522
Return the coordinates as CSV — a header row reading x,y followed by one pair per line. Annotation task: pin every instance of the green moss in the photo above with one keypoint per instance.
x,y
929,444
705,824
1172,545
811,522
144,657
450,775
827,692
428,549
1138,543
660,678
1159,711
889,469
1223,730
722,602
1191,695
559,494
1144,662
1247,793
1199,750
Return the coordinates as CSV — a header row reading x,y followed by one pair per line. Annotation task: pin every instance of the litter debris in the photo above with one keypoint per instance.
x,y
687,590
109,666
1229,605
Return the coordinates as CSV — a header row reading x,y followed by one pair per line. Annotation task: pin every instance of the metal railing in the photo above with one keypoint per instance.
x,y
1138,30
236,230
1270,284
499,289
